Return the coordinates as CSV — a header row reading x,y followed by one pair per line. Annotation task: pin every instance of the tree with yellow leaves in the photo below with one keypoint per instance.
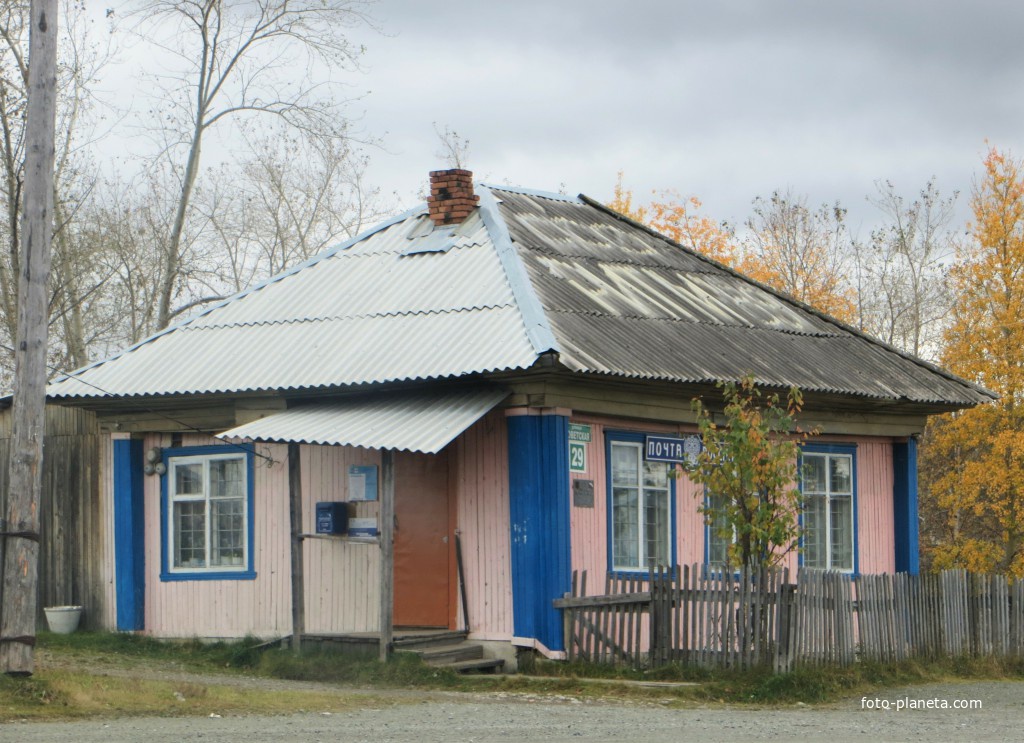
x,y
973,464
791,248
803,252
679,219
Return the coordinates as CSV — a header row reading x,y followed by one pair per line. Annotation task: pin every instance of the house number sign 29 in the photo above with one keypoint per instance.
x,y
579,436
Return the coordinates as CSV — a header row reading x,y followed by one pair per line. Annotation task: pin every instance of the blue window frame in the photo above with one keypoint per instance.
x,y
828,484
206,513
641,506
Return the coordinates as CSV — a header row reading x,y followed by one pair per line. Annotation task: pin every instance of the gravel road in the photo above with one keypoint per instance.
x,y
504,717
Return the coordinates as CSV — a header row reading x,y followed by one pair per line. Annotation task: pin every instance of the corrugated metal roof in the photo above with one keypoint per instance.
x,y
624,301
526,273
369,313
423,422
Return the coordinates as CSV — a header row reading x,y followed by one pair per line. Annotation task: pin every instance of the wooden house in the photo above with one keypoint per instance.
x,y
505,364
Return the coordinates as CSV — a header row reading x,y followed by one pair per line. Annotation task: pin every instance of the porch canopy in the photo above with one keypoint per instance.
x,y
417,422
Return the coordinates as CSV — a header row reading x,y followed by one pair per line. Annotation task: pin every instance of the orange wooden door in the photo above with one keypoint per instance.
x,y
423,548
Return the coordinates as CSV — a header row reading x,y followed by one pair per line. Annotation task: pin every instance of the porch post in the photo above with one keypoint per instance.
x,y
298,568
387,551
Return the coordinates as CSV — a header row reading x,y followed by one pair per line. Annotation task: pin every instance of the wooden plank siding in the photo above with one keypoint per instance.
x,y
875,519
72,519
340,575
480,478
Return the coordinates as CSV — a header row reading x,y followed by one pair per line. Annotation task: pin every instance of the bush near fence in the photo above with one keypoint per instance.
x,y
695,615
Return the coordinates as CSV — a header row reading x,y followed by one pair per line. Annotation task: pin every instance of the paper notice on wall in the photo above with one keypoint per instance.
x,y
362,482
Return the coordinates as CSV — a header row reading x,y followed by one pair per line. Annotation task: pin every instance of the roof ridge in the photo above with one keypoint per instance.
x,y
533,192
795,302
538,329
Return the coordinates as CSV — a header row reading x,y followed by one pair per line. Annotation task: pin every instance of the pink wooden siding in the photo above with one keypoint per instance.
x,y
342,576
225,608
875,519
106,615
480,477
590,525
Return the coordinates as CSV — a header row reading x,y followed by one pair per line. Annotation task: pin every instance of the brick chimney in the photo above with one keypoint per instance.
x,y
451,196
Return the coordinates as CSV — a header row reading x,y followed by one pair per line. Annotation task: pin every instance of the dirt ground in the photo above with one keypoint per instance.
x,y
435,717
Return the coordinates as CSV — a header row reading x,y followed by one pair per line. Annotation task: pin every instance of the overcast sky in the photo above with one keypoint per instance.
x,y
723,100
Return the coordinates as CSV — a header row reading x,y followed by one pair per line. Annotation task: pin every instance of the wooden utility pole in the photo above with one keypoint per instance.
x,y
21,530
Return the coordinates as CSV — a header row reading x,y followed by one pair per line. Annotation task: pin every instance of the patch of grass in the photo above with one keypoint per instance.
x,y
111,646
62,695
58,687
405,670
806,685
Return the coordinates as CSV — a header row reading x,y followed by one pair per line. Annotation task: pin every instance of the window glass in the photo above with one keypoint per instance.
x,y
840,474
188,479
190,534
626,525
227,478
828,538
208,512
719,535
814,473
815,531
641,509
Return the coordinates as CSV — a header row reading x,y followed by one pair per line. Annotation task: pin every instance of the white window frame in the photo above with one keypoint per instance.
x,y
173,498
642,496
829,494
713,540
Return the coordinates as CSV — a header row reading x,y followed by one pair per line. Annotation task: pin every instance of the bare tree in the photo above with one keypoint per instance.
x,y
454,148
81,56
238,60
904,298
295,196
801,251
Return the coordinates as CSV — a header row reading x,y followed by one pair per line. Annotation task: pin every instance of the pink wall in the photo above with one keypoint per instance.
x,y
590,525
480,479
224,608
341,576
875,518
106,614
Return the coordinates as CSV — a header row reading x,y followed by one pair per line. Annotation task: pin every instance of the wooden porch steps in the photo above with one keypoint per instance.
x,y
451,650
412,640
442,648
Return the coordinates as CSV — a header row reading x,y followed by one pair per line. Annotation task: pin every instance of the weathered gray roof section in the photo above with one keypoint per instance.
x,y
624,301
420,422
367,313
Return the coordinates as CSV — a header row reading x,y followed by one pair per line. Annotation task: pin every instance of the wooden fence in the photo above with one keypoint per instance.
x,y
69,514
695,616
